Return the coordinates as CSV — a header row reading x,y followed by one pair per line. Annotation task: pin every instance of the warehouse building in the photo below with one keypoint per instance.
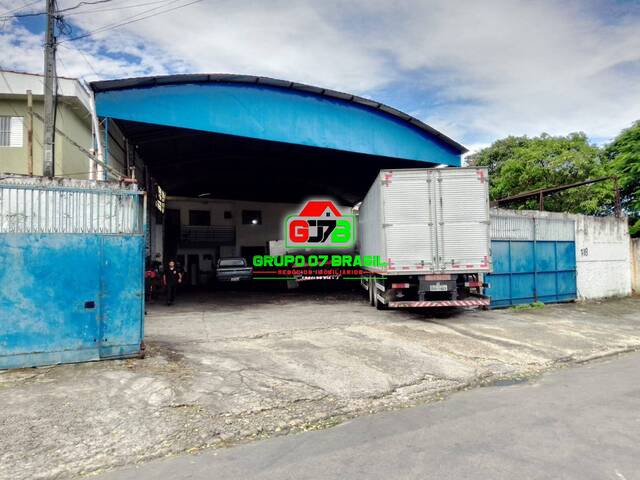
x,y
222,159
236,154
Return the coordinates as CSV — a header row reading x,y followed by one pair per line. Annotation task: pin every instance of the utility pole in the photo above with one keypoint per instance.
x,y
29,132
50,80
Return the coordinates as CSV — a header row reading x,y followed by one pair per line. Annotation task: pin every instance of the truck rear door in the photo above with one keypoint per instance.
x,y
462,208
409,219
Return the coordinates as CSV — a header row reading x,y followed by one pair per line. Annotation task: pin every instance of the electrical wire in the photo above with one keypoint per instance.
x,y
123,7
36,14
79,4
84,57
131,19
17,9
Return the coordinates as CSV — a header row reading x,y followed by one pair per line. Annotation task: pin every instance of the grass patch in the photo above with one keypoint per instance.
x,y
529,306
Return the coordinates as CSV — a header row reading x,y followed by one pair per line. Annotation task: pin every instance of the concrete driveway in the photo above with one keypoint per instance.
x,y
230,367
571,424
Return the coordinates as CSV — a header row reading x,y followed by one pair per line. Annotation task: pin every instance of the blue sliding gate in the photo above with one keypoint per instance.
x,y
534,260
71,271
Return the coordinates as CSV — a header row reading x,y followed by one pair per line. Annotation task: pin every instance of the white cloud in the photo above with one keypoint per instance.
x,y
525,67
487,69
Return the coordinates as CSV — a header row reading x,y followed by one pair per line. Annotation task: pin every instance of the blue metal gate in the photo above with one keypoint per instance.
x,y
534,260
71,270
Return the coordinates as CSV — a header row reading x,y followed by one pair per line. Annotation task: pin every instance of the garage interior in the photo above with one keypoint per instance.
x,y
203,165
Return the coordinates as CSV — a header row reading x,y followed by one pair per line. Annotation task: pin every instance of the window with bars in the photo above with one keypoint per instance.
x,y
11,131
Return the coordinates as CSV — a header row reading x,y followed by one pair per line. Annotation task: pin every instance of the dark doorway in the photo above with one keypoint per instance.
x,y
171,233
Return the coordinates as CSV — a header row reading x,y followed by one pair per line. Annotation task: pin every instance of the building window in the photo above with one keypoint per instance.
x,y
227,214
199,217
11,131
251,217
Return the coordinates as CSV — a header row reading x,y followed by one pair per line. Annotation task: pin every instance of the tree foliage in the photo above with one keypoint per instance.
x,y
521,164
623,155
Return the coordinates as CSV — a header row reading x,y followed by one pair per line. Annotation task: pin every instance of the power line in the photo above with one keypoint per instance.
x,y
78,5
84,57
131,20
21,7
123,7
23,15
36,14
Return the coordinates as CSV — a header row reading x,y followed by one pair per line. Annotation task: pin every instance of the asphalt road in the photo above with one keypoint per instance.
x,y
582,422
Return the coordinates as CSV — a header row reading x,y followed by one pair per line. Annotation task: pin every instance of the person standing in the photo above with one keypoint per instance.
x,y
171,278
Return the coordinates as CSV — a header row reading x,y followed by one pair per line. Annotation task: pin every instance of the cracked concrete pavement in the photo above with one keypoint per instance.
x,y
228,367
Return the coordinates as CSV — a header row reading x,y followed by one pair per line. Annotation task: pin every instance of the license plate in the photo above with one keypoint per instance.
x,y
438,287
235,279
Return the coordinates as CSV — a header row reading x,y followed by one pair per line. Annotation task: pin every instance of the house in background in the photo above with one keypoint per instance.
x,y
73,119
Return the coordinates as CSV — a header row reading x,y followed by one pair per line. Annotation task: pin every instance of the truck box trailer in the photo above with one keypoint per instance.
x,y
431,226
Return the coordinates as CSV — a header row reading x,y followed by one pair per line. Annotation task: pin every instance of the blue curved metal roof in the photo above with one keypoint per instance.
x,y
275,110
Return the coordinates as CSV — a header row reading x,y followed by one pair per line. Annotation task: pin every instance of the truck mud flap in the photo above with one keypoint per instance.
x,y
475,302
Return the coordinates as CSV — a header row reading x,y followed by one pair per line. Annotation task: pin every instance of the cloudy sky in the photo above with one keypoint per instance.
x,y
475,70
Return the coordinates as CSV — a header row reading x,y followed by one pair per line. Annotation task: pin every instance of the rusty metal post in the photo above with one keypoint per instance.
x,y
29,132
541,201
616,188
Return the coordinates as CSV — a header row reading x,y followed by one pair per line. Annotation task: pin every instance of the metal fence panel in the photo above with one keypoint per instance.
x,y
511,228
555,229
37,208
71,266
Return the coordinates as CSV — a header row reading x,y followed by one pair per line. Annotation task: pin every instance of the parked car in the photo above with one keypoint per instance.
x,y
233,269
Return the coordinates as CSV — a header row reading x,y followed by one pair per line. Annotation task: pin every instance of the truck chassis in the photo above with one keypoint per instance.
x,y
423,291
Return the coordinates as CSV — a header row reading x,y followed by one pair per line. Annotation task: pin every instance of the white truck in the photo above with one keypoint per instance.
x,y
431,228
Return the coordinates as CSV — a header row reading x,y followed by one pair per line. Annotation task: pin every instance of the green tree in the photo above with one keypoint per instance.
x,y
623,154
521,164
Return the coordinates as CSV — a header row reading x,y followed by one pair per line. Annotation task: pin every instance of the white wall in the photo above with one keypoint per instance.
x,y
603,259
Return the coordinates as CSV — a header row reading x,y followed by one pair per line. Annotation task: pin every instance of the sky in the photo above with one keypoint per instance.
x,y
476,71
